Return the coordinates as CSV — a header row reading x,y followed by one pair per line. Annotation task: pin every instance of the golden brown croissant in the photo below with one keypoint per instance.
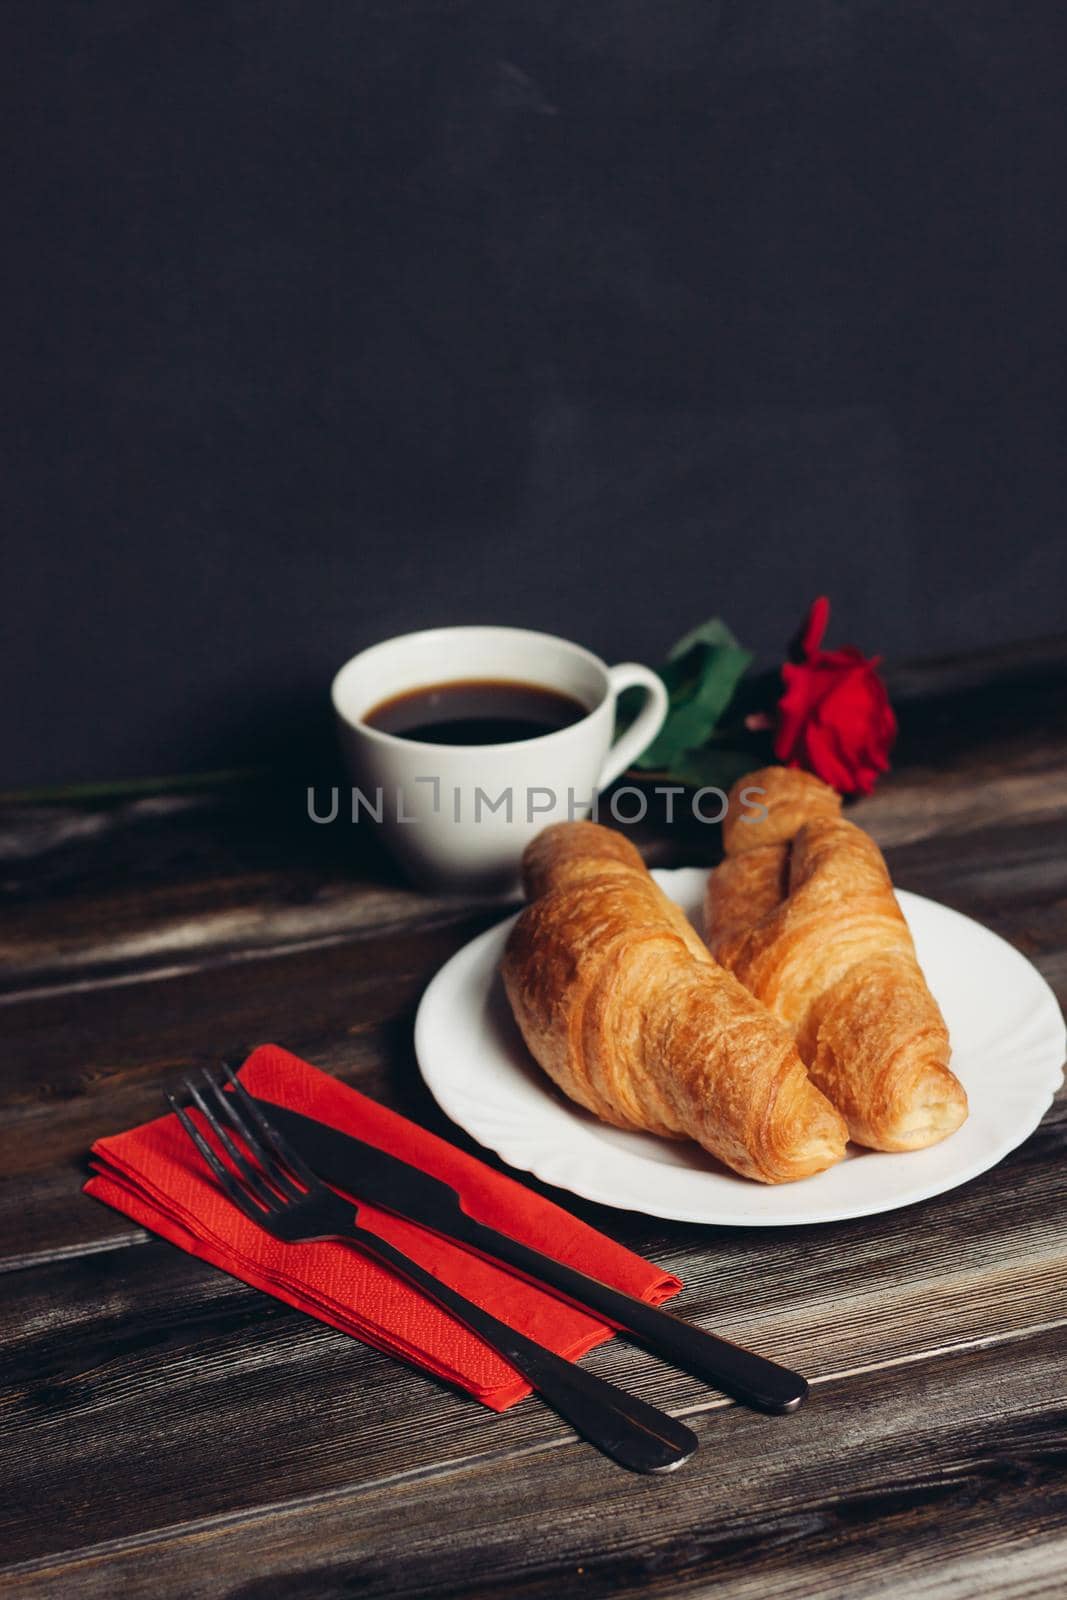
x,y
623,1006
803,912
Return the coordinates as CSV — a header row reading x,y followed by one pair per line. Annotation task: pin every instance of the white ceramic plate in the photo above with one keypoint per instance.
x,y
1008,1047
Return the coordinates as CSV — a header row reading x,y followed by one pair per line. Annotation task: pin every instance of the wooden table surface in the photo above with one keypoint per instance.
x,y
168,1431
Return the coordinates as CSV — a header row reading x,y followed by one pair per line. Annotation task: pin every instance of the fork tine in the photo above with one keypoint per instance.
x,y
252,1179
228,1181
272,1167
270,1133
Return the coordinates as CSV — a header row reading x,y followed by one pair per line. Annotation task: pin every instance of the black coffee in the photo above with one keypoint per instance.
x,y
476,711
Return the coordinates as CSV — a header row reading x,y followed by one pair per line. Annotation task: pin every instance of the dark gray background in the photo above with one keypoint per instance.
x,y
334,319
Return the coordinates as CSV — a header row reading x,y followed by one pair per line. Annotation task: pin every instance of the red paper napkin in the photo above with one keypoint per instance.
x,y
155,1175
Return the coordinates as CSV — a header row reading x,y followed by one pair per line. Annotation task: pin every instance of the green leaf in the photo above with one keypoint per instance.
x,y
701,676
714,632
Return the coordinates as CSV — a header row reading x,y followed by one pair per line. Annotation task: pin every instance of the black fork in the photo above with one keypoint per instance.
x,y
276,1190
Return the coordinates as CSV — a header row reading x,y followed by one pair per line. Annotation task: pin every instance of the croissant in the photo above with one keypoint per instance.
x,y
802,911
624,1007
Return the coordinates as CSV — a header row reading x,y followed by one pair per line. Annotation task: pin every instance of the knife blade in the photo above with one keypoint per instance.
x,y
385,1180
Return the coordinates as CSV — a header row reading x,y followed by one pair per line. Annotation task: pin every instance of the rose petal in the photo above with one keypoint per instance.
x,y
834,719
815,627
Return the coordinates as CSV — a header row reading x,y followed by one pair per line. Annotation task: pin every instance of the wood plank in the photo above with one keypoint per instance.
x,y
108,1355
938,1481
101,1061
114,934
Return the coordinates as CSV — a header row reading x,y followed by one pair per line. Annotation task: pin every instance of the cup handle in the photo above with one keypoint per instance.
x,y
640,734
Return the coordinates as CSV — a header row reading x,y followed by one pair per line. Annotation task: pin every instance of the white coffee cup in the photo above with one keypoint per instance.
x,y
460,816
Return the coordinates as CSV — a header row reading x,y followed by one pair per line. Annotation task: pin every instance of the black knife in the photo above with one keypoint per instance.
x,y
359,1169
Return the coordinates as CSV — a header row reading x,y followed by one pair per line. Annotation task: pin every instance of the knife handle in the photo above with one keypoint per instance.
x,y
741,1373
630,1431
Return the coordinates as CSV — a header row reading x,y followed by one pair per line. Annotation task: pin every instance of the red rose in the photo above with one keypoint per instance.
x,y
834,718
